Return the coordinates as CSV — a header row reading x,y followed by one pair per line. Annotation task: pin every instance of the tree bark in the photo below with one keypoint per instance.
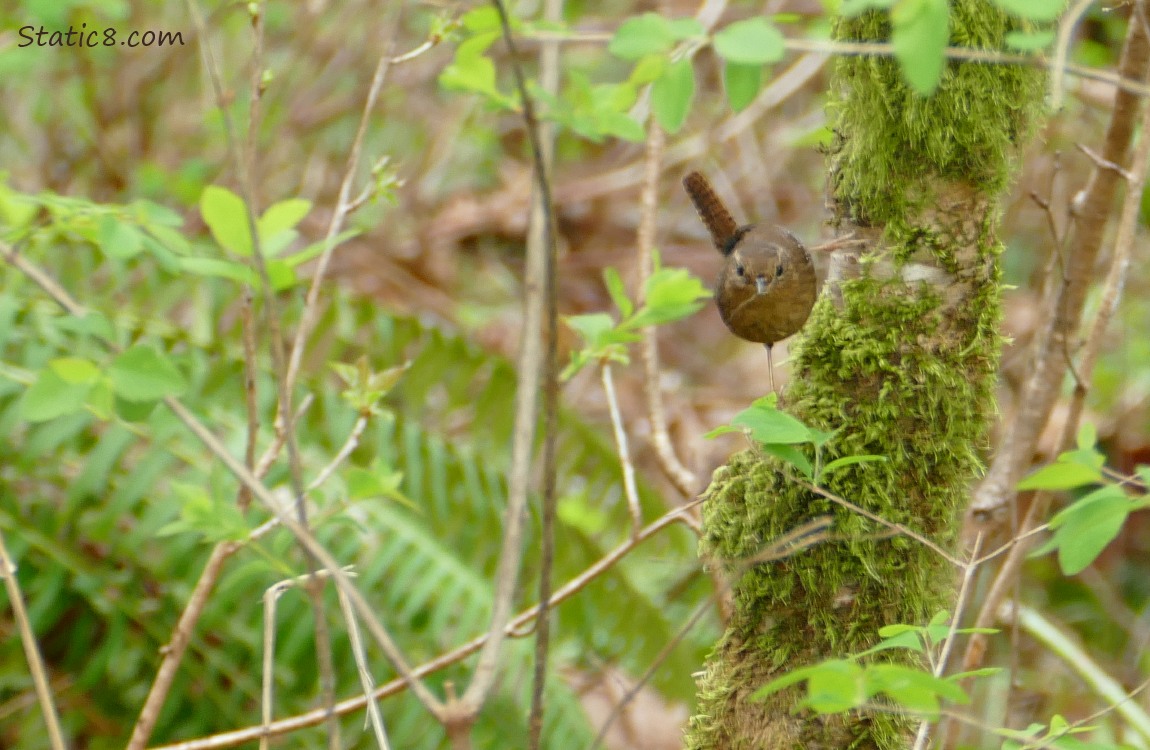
x,y
901,353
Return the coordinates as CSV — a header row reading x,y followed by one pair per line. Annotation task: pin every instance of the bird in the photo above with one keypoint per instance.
x,y
766,288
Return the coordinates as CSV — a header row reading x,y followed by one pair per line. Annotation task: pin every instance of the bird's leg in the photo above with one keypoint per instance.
x,y
770,367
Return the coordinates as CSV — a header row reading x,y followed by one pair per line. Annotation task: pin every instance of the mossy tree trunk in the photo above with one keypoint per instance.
x,y
901,353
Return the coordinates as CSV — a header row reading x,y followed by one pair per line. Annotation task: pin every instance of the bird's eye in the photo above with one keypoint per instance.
x,y
739,269
778,270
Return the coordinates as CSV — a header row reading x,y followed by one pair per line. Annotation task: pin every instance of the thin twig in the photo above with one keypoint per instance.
x,y
247,324
31,650
539,301
948,643
629,486
343,204
684,480
349,445
900,528
1066,25
359,653
541,241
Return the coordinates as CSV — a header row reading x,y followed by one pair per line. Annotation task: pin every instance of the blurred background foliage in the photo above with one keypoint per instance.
x,y
433,277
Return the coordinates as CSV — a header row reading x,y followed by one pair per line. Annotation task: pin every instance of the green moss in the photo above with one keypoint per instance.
x,y
968,131
905,369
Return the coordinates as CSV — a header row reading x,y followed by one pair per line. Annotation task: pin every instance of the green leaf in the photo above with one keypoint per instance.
x,y
672,287
622,126
1082,530
754,41
226,269
642,35
836,685
216,518
845,461
618,292
75,370
277,225
1028,41
921,31
101,400
118,239
226,217
791,455
1062,475
742,84
1034,10
592,327
671,95
648,69
144,374
483,18
52,396
92,324
772,426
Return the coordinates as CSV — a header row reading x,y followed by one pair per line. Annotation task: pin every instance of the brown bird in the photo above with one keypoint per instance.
x,y
767,287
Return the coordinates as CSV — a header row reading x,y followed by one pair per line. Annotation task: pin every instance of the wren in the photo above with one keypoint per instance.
x,y
766,288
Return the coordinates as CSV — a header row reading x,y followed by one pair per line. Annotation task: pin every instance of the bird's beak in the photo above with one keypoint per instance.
x,y
760,284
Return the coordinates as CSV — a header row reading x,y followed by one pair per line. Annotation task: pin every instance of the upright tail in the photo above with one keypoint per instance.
x,y
711,210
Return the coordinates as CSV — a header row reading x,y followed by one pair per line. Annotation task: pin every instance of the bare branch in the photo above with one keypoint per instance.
x,y
31,650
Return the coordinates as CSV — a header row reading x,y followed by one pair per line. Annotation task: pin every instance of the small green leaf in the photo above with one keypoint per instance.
x,y
118,239
791,455
101,400
1062,475
617,291
92,324
671,95
75,370
226,269
144,374
592,327
1034,10
216,518
642,35
51,396
921,31
649,68
277,225
226,217
836,685
742,83
754,41
845,461
1084,529
772,426
673,286
483,18
1028,41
